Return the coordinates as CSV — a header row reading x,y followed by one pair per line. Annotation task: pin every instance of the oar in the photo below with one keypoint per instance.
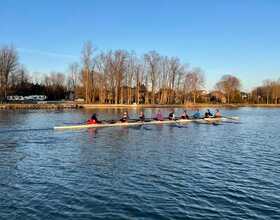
x,y
178,123
216,123
145,127
232,122
232,118
140,125
75,123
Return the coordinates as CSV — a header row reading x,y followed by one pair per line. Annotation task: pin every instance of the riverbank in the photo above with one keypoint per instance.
x,y
39,106
189,105
74,105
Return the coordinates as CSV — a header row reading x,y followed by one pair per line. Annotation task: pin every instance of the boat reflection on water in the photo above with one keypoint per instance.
x,y
92,132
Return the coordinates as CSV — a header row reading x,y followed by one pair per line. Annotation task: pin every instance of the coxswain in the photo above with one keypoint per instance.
x,y
218,114
208,114
158,116
171,115
124,117
142,116
184,115
93,119
197,114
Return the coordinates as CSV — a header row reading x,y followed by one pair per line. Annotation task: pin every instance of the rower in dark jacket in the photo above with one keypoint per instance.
x,y
124,117
93,119
208,114
171,116
142,116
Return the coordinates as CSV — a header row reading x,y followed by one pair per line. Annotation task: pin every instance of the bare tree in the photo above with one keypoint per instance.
x,y
102,77
175,69
18,80
86,71
228,84
153,61
179,93
8,65
23,76
55,85
74,77
119,68
194,81
139,80
274,92
107,68
267,84
131,75
164,79
268,92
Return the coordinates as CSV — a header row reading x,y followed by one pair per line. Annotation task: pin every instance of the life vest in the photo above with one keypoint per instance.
x,y
91,121
171,116
218,115
159,117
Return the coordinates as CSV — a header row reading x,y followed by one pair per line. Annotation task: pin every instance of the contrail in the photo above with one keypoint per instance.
x,y
46,53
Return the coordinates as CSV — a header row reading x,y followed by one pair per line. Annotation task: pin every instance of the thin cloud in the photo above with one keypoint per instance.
x,y
47,53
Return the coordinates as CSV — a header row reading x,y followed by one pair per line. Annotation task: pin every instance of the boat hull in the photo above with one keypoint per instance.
x,y
138,123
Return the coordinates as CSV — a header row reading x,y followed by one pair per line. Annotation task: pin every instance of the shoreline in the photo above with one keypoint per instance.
x,y
189,105
54,106
73,105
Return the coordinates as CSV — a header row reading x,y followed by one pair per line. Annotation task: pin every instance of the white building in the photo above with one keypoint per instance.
x,y
27,98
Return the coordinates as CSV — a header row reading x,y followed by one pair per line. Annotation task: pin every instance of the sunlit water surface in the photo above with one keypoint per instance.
x,y
199,171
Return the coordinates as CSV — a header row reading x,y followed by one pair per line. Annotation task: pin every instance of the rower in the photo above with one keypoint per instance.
x,y
142,117
158,116
208,114
184,115
93,119
171,115
197,114
124,117
218,114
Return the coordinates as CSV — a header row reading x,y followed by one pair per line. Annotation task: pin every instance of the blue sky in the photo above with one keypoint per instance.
x,y
239,37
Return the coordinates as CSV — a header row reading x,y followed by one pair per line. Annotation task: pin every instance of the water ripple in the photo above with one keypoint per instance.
x,y
230,171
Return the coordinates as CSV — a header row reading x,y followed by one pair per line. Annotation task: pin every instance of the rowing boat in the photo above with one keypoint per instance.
x,y
139,123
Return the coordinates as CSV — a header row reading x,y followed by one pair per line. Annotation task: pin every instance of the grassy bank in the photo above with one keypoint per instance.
x,y
72,105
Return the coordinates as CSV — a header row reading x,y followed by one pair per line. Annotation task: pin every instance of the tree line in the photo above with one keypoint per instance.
x,y
123,77
15,80
268,93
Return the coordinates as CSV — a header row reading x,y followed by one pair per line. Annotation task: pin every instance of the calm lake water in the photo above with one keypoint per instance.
x,y
200,171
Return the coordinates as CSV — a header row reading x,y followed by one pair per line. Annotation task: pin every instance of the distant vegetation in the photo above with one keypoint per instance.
x,y
122,77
